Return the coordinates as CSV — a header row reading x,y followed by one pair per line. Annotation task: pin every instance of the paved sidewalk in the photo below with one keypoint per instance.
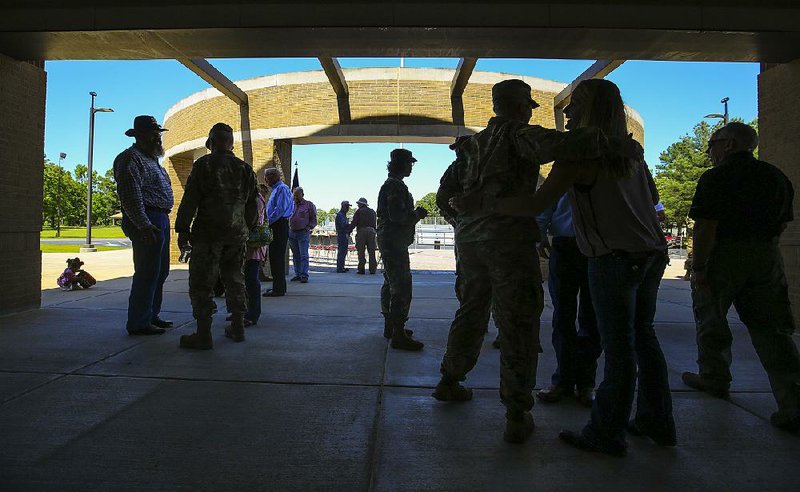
x,y
315,400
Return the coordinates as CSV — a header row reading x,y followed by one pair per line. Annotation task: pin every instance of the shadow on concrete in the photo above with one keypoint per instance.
x,y
315,400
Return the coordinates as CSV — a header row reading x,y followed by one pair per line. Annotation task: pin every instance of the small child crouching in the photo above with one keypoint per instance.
x,y
74,278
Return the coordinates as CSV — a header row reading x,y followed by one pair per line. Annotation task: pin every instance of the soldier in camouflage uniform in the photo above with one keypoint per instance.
x,y
499,267
397,219
220,195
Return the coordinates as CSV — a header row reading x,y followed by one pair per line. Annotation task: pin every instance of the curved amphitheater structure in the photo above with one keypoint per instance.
x,y
411,105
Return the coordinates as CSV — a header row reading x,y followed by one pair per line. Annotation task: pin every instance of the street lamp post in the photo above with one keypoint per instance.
x,y
60,194
89,247
724,115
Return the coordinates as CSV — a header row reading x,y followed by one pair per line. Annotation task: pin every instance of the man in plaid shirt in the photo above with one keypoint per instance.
x,y
145,193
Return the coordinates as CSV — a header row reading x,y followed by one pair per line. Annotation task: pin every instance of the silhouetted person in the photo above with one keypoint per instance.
x,y
342,236
364,222
145,195
215,217
397,220
741,207
280,207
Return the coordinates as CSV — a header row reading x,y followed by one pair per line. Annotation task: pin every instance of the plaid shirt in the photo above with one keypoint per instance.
x,y
141,182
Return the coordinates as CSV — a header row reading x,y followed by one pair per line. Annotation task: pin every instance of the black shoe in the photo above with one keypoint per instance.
x,y
147,330
304,280
698,382
161,323
296,278
343,270
662,440
360,272
577,440
372,272
272,293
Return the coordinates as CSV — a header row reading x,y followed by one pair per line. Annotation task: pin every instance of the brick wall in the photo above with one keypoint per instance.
x,y
22,97
390,101
778,124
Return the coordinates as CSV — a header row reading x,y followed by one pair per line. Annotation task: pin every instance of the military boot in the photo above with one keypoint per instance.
x,y
451,390
200,340
518,428
387,330
401,340
236,331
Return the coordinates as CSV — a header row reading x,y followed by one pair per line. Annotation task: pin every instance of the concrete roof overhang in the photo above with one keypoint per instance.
x,y
730,30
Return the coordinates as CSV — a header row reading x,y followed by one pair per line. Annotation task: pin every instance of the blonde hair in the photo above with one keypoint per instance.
x,y
603,108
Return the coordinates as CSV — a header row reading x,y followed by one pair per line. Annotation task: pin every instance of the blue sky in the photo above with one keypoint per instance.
x,y
671,97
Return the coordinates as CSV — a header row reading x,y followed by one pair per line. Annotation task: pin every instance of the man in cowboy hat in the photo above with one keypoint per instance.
x,y
364,222
397,220
145,194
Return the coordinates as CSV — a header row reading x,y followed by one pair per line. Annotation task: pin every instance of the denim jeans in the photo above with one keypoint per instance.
x,y
576,350
299,243
150,270
624,290
342,242
253,286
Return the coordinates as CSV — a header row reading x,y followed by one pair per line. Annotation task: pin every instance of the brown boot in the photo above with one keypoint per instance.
x,y
236,331
201,340
401,340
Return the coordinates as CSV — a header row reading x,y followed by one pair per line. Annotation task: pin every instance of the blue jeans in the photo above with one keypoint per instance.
x,y
576,351
624,290
299,242
342,242
253,286
150,270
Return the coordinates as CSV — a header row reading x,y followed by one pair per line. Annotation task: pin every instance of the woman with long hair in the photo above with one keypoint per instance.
x,y
617,228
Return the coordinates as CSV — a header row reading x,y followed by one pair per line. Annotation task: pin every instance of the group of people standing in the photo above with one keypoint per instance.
x,y
607,257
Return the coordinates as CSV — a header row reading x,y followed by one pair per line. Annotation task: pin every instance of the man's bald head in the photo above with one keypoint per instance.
x,y
744,136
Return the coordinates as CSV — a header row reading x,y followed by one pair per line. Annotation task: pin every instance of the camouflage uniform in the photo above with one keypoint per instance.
x,y
397,220
499,267
221,191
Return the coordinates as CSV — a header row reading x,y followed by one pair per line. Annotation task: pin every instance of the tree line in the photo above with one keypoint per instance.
x,y
64,200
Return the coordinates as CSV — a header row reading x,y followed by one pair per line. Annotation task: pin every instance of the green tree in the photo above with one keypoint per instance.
x,y
428,202
680,166
104,197
64,200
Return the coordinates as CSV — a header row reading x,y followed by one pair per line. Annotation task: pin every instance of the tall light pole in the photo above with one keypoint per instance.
x,y
724,115
89,247
60,193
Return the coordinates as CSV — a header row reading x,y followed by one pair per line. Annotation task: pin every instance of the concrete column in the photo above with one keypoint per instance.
x,y
22,99
779,126
273,153
178,167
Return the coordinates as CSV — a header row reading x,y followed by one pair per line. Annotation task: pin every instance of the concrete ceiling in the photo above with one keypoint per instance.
x,y
708,30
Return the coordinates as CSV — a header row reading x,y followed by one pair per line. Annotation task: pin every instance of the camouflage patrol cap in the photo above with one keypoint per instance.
x,y
402,155
218,127
513,89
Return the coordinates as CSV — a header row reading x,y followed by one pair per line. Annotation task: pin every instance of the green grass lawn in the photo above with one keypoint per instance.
x,y
105,232
71,248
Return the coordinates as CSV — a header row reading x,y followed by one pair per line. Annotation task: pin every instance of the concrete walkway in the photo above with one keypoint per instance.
x,y
315,400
